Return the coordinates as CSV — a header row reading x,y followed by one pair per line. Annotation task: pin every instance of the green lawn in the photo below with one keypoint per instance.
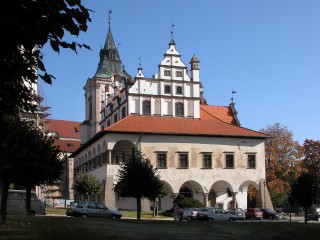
x,y
129,214
60,227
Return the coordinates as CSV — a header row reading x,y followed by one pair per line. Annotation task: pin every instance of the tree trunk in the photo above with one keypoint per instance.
x,y
28,200
138,208
4,198
305,215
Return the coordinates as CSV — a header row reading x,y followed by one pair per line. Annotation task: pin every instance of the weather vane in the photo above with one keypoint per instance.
x,y
172,30
233,92
109,16
139,58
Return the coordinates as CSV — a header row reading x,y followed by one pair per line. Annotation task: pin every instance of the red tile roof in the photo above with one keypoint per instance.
x,y
214,121
68,146
67,134
65,129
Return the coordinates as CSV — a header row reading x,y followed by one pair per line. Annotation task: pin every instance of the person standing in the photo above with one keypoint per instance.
x,y
176,211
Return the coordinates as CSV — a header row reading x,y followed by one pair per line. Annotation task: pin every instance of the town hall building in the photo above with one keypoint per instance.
x,y
200,150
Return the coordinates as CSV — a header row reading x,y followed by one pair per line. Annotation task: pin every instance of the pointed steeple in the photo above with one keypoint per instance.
x,y
110,62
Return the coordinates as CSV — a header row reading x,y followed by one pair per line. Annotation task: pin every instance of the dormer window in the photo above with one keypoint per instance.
x,y
179,109
167,89
146,107
167,73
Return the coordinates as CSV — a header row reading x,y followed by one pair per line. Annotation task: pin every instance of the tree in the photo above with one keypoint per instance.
x,y
27,157
29,25
138,179
312,156
304,191
86,184
312,162
283,164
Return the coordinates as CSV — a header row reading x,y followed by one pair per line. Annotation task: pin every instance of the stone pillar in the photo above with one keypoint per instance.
x,y
234,199
109,156
205,199
110,195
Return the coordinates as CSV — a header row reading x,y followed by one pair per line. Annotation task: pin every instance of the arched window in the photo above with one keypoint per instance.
x,y
179,109
167,89
146,109
179,90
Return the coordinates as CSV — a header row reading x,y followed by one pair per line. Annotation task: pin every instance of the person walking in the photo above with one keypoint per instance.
x,y
176,211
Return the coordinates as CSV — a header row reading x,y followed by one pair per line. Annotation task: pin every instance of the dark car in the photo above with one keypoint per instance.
x,y
71,208
269,214
238,212
314,214
95,209
254,213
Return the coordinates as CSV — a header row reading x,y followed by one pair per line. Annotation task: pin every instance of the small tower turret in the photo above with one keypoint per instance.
x,y
195,70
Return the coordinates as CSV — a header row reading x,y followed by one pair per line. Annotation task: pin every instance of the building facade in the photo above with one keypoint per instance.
x,y
200,150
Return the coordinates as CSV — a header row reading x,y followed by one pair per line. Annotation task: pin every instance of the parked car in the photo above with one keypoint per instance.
x,y
269,214
95,209
188,214
239,212
314,214
254,213
71,208
215,214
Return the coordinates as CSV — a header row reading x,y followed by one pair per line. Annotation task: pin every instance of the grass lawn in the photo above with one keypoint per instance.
x,y
129,214
60,227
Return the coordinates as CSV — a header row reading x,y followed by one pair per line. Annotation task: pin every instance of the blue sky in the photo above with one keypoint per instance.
x,y
268,51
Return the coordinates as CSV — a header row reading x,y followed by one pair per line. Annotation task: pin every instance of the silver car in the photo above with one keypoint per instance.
x,y
95,209
188,214
215,214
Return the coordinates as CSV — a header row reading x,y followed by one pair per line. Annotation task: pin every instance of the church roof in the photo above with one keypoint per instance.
x,y
66,134
110,62
214,121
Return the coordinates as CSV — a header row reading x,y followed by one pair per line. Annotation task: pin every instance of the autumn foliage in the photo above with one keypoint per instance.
x,y
283,161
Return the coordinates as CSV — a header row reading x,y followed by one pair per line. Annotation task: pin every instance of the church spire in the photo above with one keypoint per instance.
x,y
110,61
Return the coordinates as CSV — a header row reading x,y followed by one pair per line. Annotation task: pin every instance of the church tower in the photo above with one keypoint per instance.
x,y
101,85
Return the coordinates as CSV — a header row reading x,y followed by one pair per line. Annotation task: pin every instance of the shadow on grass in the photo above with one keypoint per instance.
x,y
53,228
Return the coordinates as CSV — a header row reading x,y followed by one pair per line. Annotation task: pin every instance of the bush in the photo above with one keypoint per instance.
x,y
183,201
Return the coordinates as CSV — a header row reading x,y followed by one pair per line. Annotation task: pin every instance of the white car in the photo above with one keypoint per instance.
x,y
188,214
94,209
215,214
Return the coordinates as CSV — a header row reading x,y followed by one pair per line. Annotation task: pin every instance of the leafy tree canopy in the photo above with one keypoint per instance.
x,y
305,191
283,164
27,157
86,184
28,25
138,179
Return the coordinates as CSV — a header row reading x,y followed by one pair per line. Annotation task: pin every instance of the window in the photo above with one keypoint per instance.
x,y
178,74
206,161
146,107
167,89
179,109
123,112
90,107
229,160
251,161
183,160
167,73
115,118
161,160
179,90
108,123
